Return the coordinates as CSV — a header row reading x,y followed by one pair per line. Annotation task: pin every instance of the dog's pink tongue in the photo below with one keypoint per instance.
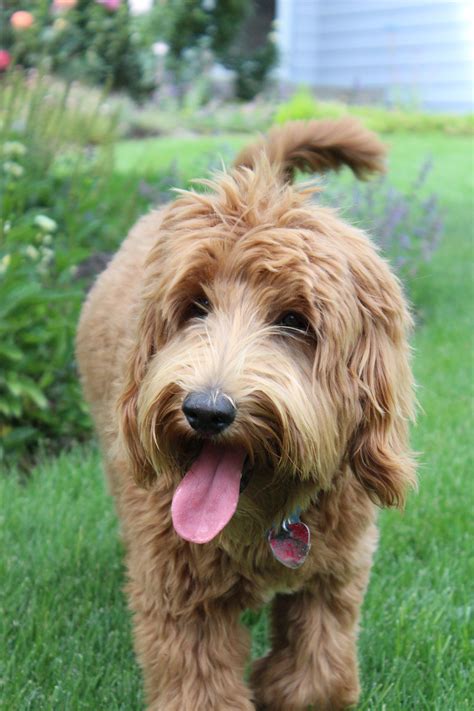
x,y
207,497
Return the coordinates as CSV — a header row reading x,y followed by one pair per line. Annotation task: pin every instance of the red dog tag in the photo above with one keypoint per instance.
x,y
290,545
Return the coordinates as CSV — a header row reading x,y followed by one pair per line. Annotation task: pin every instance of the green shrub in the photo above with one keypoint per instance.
x,y
252,69
197,34
186,24
303,105
92,40
56,207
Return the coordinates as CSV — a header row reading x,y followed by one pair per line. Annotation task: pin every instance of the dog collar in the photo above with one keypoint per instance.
x,y
290,543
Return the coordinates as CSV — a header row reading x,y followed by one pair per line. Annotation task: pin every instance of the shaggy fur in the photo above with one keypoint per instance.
x,y
322,415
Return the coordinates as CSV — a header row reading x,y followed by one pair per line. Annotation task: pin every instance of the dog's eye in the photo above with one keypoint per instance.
x,y
294,321
199,308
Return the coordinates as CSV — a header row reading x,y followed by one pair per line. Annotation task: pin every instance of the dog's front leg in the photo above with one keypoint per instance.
x,y
313,660
194,662
188,638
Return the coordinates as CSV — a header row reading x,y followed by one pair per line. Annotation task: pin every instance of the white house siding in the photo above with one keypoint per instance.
x,y
421,51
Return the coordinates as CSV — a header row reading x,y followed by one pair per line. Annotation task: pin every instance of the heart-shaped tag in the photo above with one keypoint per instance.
x,y
290,545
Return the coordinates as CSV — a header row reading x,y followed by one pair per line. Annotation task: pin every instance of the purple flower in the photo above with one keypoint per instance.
x,y
406,224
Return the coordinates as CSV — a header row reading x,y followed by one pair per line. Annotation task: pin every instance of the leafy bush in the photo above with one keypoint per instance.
x,y
56,206
407,226
193,35
92,40
196,34
252,69
186,24
303,105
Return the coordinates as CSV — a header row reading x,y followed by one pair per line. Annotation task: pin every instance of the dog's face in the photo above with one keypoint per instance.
x,y
272,343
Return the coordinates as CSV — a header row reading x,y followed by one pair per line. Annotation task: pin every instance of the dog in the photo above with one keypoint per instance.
x,y
246,362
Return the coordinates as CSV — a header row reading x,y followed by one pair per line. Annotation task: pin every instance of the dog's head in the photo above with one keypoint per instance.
x,y
271,348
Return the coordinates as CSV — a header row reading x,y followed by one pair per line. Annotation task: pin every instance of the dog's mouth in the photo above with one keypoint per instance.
x,y
208,494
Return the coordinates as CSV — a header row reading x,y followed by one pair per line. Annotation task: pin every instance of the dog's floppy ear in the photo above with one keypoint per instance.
x,y
318,146
142,350
379,452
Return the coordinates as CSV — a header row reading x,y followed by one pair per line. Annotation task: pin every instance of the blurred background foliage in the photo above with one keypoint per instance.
x,y
55,200
84,40
303,105
100,42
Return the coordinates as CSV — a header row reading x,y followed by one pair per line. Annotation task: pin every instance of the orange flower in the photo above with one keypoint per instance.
x,y
21,20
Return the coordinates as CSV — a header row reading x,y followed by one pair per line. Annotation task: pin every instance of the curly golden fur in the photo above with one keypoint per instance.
x,y
322,413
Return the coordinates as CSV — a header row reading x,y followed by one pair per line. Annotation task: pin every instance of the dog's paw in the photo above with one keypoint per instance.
x,y
278,686
197,699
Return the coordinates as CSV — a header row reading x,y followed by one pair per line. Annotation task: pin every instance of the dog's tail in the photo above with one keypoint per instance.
x,y
318,146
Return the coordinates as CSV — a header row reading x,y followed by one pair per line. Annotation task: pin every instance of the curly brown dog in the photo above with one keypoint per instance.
x,y
245,357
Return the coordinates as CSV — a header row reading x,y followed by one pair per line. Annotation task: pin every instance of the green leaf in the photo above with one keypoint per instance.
x,y
10,352
17,436
18,296
22,386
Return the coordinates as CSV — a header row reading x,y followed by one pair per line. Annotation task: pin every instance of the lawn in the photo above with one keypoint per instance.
x,y
65,626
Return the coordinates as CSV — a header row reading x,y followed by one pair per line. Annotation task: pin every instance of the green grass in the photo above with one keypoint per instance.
x,y
191,156
67,632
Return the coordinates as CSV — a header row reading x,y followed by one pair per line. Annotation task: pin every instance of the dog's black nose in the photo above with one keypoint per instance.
x,y
209,412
